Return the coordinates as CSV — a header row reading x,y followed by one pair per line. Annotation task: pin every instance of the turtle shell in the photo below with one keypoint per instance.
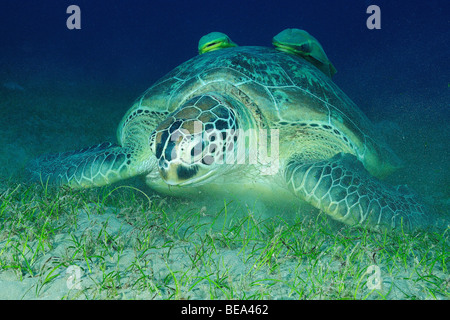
x,y
281,89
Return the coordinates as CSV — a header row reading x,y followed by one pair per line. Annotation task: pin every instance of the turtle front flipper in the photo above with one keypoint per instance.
x,y
342,188
89,167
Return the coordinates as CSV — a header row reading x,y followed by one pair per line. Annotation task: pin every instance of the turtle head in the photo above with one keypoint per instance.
x,y
214,41
192,144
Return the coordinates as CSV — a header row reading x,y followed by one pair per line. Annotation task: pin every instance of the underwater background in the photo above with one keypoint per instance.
x,y
64,89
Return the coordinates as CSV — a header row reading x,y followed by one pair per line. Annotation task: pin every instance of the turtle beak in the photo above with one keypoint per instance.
x,y
179,174
176,173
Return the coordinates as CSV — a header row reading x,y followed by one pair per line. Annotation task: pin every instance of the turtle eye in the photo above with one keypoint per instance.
x,y
197,150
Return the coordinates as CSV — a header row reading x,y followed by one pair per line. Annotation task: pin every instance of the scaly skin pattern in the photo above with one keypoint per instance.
x,y
342,188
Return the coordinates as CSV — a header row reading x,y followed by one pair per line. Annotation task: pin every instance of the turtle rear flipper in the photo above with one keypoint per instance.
x,y
89,167
343,189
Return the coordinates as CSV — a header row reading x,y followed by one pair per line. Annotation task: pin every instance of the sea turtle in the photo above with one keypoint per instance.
x,y
301,43
214,41
207,125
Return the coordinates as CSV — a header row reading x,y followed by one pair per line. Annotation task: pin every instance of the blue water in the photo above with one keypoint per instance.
x,y
136,42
